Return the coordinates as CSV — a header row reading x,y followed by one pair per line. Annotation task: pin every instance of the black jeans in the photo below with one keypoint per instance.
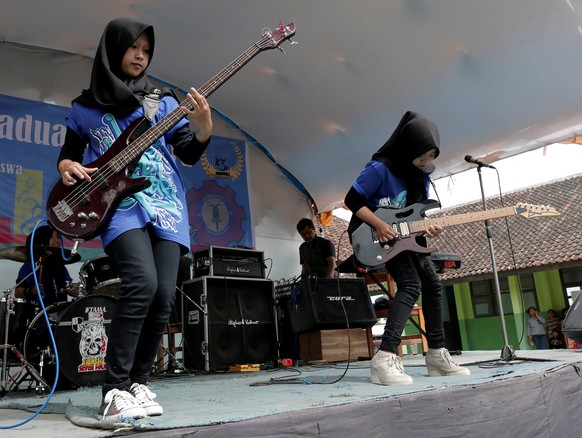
x,y
148,268
412,274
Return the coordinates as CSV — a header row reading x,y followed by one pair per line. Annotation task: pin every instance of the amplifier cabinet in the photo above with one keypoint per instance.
x,y
228,321
219,261
331,303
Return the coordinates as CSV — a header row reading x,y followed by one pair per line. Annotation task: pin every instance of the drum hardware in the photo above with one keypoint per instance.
x,y
25,371
9,299
100,275
74,290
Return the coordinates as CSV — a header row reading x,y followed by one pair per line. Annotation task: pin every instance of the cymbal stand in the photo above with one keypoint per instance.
x,y
9,311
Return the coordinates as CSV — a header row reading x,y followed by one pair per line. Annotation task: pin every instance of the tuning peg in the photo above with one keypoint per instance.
x,y
292,42
281,49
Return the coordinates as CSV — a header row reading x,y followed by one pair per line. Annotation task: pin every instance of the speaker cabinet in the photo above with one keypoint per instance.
x,y
331,303
572,325
228,321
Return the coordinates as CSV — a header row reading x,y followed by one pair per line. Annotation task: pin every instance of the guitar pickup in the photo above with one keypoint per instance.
x,y
102,182
84,198
404,229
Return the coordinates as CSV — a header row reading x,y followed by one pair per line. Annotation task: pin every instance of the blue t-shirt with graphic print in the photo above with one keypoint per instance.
x,y
380,187
160,207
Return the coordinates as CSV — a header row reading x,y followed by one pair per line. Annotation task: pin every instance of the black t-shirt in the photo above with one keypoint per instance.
x,y
315,256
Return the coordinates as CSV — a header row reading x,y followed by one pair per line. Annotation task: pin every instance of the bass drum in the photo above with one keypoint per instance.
x,y
100,275
81,329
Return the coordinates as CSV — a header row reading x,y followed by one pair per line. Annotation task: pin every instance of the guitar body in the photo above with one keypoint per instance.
x,y
369,252
409,223
82,210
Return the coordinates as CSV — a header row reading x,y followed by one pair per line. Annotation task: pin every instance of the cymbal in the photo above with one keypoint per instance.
x,y
20,253
16,254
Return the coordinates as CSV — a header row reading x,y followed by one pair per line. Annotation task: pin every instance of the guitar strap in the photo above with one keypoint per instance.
x,y
151,103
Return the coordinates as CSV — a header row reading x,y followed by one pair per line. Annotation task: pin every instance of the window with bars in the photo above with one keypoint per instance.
x,y
484,296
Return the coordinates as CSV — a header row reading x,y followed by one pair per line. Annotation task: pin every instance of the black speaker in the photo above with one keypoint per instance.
x,y
572,325
331,303
228,321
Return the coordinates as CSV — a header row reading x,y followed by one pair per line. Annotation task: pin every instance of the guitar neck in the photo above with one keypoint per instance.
x,y
139,146
465,218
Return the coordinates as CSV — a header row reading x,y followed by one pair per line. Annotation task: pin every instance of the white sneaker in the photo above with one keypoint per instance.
x,y
386,369
145,399
120,404
440,363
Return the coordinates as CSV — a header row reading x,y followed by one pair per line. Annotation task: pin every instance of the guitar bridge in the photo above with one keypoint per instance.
x,y
62,211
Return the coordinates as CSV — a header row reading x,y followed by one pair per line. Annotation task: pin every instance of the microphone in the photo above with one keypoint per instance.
x,y
471,159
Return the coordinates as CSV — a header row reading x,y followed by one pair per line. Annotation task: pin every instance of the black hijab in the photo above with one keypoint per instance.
x,y
414,136
110,89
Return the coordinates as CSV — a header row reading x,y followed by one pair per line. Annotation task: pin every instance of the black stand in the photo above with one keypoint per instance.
x,y
174,365
24,373
507,352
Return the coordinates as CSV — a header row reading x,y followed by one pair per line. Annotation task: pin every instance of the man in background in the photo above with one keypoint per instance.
x,y
316,253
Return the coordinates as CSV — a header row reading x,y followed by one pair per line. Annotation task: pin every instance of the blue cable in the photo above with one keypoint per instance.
x,y
41,408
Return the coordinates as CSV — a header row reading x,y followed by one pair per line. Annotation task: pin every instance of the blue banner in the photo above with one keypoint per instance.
x,y
31,134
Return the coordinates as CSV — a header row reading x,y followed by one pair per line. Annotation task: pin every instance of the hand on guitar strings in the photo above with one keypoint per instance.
x,y
71,171
385,233
200,113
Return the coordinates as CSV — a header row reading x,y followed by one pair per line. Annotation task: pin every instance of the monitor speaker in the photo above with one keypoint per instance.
x,y
228,321
331,303
572,325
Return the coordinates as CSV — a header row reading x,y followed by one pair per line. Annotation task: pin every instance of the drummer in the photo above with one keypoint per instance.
x,y
53,277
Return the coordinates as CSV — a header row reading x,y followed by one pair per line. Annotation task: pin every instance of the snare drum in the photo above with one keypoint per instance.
x,y
81,330
100,276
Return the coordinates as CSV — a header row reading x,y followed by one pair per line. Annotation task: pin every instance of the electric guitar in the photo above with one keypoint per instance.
x,y
82,210
409,222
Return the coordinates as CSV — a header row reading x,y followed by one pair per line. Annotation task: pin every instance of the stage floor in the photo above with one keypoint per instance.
x,y
539,394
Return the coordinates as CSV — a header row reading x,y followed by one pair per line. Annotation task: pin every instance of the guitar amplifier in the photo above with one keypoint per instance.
x,y
221,261
331,303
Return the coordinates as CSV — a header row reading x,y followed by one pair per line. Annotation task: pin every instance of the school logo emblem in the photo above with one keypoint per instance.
x,y
215,215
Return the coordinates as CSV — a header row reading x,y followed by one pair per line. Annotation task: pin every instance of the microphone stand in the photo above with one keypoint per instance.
x,y
507,353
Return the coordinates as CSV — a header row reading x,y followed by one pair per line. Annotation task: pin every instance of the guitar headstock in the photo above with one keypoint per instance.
x,y
272,40
529,210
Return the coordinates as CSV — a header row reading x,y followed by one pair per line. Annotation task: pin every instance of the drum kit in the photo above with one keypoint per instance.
x,y
80,326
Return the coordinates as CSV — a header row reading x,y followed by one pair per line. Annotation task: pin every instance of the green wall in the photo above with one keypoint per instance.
x,y
485,333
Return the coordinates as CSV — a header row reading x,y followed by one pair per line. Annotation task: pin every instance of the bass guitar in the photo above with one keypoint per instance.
x,y
409,222
82,210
